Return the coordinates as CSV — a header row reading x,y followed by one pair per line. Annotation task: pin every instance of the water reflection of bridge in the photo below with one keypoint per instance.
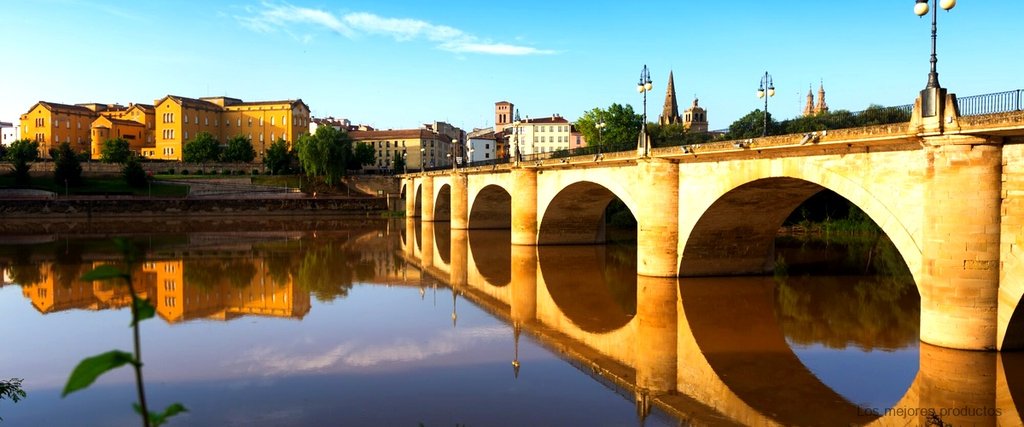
x,y
708,350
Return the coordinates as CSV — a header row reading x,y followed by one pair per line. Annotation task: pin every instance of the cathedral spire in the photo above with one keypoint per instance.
x,y
822,106
670,112
809,107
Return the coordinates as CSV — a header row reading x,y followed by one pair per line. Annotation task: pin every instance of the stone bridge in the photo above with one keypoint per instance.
x,y
709,350
947,190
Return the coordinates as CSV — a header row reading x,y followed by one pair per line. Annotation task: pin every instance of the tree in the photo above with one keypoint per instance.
x,y
621,131
203,148
20,153
115,150
3,151
67,169
364,155
134,175
278,158
398,164
752,126
239,149
326,154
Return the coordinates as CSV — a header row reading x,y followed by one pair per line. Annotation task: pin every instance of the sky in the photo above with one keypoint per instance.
x,y
399,64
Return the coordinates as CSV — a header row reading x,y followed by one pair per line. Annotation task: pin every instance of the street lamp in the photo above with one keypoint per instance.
x,y
766,90
644,86
929,96
405,162
423,158
515,136
456,150
600,138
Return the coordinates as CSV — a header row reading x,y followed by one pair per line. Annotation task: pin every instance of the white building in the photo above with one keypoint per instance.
x,y
543,135
8,133
482,145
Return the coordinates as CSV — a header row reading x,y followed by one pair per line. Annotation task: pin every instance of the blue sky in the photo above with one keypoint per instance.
x,y
398,64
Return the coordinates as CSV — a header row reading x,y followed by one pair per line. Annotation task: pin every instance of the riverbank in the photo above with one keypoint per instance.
x,y
128,207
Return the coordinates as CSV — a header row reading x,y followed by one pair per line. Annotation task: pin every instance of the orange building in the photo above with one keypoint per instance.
x,y
180,119
50,124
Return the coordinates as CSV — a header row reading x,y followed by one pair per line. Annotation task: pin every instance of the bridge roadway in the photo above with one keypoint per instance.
x,y
947,190
707,350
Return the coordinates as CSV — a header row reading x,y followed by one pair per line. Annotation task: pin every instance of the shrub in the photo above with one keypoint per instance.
x,y
134,175
184,171
169,171
255,172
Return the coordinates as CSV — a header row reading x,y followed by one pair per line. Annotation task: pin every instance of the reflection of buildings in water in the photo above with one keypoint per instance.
x,y
163,282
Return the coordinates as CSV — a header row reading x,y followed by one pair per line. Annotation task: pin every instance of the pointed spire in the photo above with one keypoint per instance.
x,y
822,106
809,107
670,112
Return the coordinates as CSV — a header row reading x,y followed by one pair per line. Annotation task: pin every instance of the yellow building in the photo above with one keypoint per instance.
x,y
50,124
180,119
134,124
421,147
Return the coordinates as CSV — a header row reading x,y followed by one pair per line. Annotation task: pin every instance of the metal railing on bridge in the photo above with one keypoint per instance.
x,y
991,103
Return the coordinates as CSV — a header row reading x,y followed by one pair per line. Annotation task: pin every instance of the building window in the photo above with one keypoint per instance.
x,y
206,121
272,120
284,120
261,120
186,134
239,122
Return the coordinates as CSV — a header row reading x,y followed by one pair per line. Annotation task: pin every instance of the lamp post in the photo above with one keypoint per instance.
x,y
423,158
644,86
600,137
456,150
929,96
515,135
766,90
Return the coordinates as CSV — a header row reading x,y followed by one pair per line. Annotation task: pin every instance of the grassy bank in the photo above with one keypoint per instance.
x,y
92,186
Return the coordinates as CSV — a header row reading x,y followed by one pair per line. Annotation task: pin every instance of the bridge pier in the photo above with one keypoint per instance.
x,y
960,243
410,197
427,250
460,202
656,335
459,272
523,306
427,199
658,218
524,206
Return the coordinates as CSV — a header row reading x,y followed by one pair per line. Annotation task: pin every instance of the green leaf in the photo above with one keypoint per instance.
x,y
143,310
91,368
159,419
103,272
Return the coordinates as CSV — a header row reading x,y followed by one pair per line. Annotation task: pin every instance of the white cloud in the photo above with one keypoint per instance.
x,y
288,18
268,361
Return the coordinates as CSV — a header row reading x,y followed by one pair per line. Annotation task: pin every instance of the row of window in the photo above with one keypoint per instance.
x,y
550,128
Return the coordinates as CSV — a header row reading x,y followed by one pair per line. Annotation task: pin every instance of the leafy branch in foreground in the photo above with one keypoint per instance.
x,y
91,368
11,389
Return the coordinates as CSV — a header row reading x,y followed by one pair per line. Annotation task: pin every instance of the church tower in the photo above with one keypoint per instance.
x,y
822,106
695,119
670,112
502,115
809,107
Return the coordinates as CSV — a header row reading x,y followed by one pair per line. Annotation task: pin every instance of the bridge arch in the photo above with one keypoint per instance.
x,y
575,214
732,231
491,208
443,203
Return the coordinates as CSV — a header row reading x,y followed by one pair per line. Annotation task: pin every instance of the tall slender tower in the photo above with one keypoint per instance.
x,y
809,107
822,106
670,112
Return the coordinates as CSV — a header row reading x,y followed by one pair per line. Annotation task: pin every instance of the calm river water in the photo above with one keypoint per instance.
x,y
404,324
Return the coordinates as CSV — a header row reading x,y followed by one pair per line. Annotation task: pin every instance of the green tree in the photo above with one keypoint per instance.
x,y
115,150
278,158
3,151
20,154
364,155
879,115
325,154
622,127
239,150
66,167
752,126
134,175
398,164
203,148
